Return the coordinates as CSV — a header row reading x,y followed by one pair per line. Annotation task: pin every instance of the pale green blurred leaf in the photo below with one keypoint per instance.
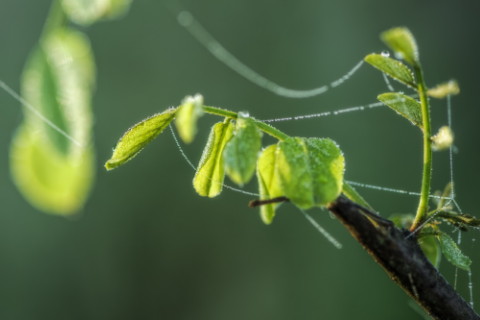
x,y
208,180
431,248
50,181
187,115
241,151
86,12
453,253
269,186
310,171
58,81
442,90
393,68
403,105
402,42
443,139
138,136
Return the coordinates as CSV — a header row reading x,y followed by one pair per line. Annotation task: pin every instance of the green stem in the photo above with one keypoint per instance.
x,y
56,19
422,209
268,129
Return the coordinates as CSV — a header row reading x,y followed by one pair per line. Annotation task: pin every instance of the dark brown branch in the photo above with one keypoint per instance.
x,y
403,260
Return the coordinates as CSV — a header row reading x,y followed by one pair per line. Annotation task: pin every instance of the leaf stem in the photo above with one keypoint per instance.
x,y
268,129
56,18
422,209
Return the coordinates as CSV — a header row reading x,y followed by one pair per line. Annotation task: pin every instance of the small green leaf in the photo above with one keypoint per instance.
x,y
431,249
187,116
208,180
268,183
453,253
138,136
310,171
402,42
392,68
241,151
403,105
442,90
86,12
50,181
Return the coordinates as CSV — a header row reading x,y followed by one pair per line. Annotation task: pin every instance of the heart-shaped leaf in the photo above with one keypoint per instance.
x,y
310,171
393,68
402,42
241,151
138,136
208,180
187,115
404,105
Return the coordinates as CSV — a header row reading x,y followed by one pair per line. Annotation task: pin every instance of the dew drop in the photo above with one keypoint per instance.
x,y
385,53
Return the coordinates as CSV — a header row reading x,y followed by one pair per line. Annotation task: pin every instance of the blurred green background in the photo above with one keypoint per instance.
x,y
147,247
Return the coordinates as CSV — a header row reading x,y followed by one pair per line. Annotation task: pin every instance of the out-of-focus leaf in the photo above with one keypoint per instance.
x,y
86,12
58,81
444,89
402,42
241,151
404,105
187,115
310,171
208,180
453,253
443,140
268,183
52,182
431,249
392,68
138,136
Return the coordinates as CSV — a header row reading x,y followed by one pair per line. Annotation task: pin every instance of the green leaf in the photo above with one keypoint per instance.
x,y
187,116
58,81
241,151
86,12
208,180
310,171
431,249
402,42
138,136
50,181
453,253
404,105
392,68
268,183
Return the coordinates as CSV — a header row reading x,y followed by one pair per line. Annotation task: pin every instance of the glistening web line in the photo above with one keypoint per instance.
x,y
328,113
188,21
37,113
322,231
